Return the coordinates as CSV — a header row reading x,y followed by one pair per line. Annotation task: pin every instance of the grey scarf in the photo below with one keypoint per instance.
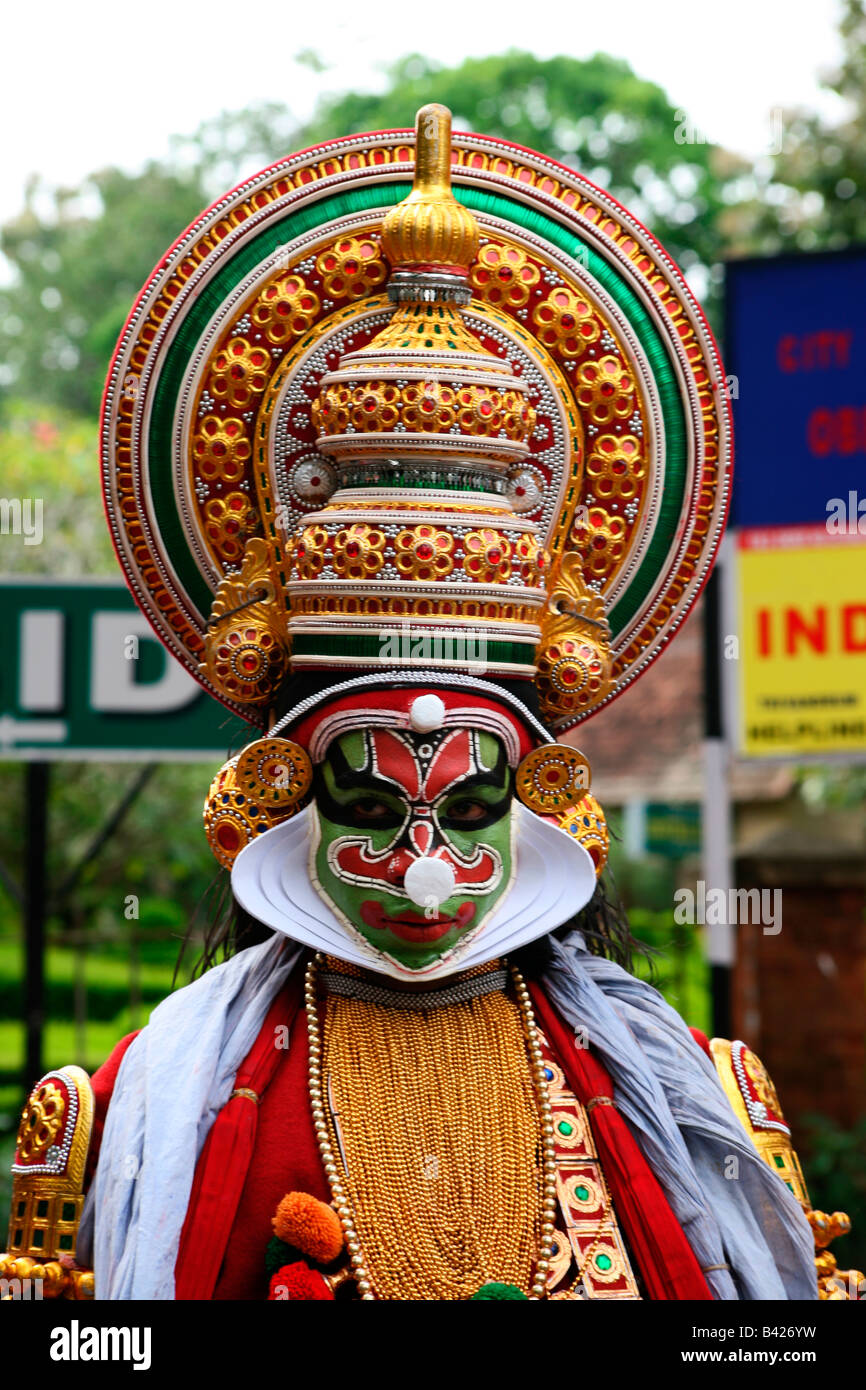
x,y
667,1089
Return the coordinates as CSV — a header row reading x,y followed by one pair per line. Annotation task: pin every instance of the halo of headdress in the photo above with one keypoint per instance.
x,y
355,426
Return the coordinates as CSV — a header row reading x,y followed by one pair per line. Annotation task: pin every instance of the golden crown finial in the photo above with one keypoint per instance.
x,y
430,230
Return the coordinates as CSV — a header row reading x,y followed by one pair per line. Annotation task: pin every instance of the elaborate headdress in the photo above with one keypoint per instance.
x,y
464,435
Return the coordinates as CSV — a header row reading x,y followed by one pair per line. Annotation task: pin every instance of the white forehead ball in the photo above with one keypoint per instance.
x,y
429,882
427,713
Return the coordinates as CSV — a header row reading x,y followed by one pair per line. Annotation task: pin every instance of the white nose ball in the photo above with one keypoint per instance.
x,y
429,881
427,713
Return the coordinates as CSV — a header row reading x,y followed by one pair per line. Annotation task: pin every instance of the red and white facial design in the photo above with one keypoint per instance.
x,y
416,796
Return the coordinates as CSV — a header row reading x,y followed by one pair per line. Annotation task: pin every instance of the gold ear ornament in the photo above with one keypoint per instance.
x,y
585,823
264,785
552,779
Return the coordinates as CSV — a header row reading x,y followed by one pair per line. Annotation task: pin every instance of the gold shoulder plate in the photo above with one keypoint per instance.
x,y
48,1184
755,1102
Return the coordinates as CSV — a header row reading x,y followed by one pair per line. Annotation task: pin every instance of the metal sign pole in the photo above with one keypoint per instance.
x,y
716,817
36,819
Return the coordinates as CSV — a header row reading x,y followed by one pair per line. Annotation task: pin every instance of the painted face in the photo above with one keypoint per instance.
x,y
415,836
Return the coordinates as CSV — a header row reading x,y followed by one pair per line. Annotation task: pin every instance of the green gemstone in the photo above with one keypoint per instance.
x,y
603,1262
778,1160
565,1128
582,1194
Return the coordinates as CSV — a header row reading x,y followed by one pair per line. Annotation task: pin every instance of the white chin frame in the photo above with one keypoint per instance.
x,y
554,878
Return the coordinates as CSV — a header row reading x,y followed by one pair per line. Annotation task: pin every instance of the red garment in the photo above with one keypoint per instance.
x,y
702,1041
255,1155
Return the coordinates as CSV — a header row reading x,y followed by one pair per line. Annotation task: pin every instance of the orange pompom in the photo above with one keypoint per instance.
x,y
310,1226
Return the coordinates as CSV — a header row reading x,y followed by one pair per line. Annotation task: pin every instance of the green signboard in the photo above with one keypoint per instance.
x,y
83,676
673,829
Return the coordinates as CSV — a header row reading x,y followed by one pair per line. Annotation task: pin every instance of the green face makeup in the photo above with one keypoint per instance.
x,y
415,836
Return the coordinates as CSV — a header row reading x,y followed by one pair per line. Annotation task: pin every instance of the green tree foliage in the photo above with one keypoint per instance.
x,y
811,194
77,266
50,454
79,256
158,855
591,114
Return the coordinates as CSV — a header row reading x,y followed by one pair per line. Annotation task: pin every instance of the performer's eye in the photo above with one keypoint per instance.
x,y
466,812
371,810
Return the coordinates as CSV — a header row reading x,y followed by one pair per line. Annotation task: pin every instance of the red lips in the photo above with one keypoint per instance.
x,y
414,926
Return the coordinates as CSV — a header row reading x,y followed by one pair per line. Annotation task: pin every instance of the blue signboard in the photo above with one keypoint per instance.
x,y
795,351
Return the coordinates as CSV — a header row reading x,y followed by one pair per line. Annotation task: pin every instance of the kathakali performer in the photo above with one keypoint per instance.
x,y
416,452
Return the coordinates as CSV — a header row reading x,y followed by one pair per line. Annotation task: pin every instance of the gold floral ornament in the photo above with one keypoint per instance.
x,y
571,672
566,322
352,268
285,309
552,778
605,390
487,556
375,406
503,275
246,648
228,522
359,551
429,406
41,1120
330,409
240,373
260,788
573,656
600,539
484,409
308,552
424,553
615,467
221,450
531,559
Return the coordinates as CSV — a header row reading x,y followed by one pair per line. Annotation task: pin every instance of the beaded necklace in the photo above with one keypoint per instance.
x,y
436,1139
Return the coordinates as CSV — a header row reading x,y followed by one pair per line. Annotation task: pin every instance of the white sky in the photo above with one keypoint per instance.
x,y
89,84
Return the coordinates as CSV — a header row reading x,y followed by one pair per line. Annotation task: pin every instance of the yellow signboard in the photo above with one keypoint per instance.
x,y
801,594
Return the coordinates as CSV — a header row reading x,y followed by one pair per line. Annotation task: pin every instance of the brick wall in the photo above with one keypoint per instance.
x,y
799,998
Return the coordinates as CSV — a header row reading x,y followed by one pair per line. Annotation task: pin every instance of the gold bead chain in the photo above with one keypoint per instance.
x,y
440,1153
